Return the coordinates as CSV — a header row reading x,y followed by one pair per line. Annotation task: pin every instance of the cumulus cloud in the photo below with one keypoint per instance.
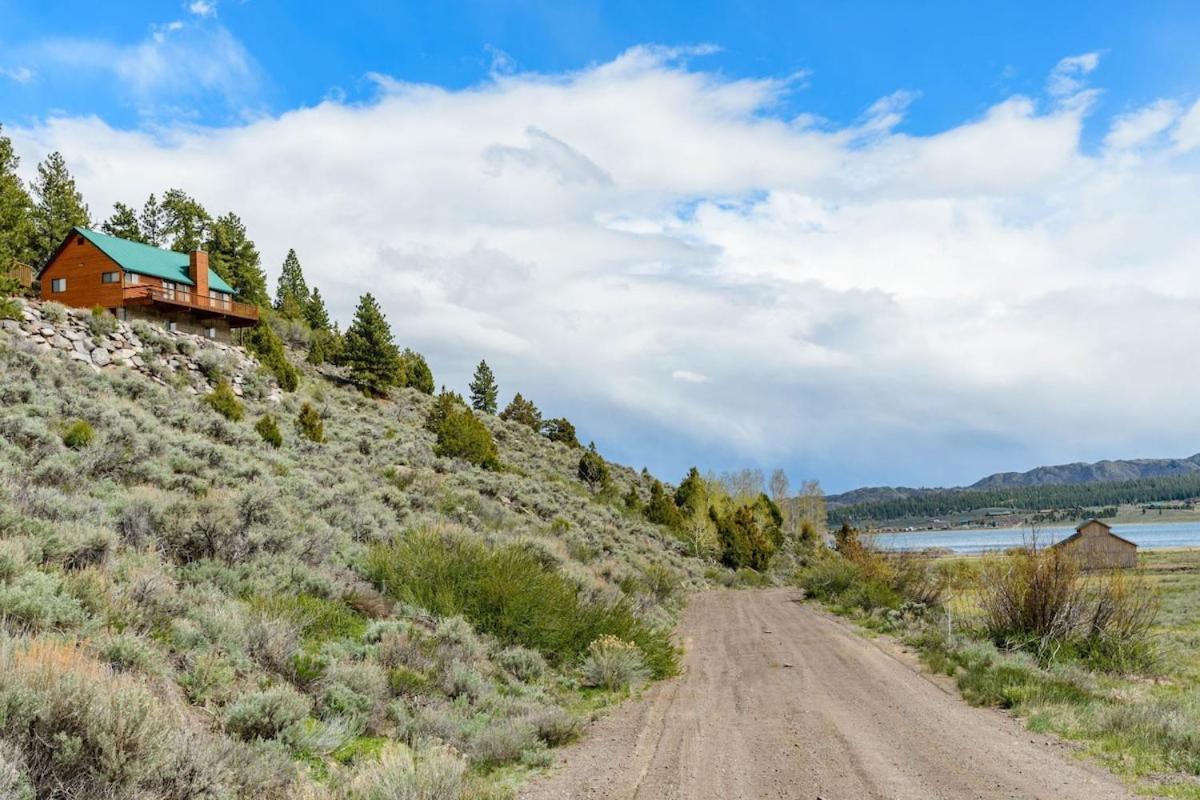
x,y
203,8
1142,126
652,250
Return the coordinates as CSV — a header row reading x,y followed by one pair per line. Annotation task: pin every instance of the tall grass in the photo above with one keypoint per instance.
x,y
511,593
1040,601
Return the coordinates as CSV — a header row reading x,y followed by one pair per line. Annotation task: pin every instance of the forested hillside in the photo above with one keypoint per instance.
x,y
943,503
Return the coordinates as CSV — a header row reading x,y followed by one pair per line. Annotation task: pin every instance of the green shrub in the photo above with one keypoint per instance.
x,y
225,402
462,435
309,424
523,412
430,773
593,470
510,593
266,714
101,323
263,342
79,435
317,619
54,312
268,429
560,429
613,664
522,663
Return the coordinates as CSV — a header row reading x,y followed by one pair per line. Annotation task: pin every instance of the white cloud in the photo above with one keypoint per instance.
x,y
1069,74
18,74
203,8
1141,127
652,251
1187,133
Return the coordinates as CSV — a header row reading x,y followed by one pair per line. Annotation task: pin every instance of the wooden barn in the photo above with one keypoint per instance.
x,y
1095,546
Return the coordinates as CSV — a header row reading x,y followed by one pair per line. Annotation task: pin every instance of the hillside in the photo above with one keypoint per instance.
x,y
989,491
190,612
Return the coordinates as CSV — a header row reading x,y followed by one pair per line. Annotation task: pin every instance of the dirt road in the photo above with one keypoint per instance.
x,y
779,700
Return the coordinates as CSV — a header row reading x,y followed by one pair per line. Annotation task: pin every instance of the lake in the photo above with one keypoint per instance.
x,y
1149,535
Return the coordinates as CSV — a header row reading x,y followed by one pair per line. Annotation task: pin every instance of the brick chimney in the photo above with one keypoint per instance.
x,y
198,272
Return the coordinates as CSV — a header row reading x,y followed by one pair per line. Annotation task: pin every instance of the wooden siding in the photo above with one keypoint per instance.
x,y
23,273
82,265
1095,547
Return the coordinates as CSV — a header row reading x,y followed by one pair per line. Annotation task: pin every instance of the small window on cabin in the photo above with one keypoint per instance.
x,y
132,278
78,240
110,277
172,326
211,333
58,285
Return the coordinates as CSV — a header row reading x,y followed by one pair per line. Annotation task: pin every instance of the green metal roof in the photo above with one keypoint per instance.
x,y
153,261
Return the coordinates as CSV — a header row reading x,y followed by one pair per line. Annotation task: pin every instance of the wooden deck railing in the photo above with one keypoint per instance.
x,y
22,272
186,298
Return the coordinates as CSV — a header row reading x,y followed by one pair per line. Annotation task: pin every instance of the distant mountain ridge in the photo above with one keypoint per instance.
x,y
1107,471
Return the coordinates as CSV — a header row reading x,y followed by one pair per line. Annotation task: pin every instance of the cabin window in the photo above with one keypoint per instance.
x,y
122,312
132,278
110,277
169,290
211,333
78,240
172,326
58,285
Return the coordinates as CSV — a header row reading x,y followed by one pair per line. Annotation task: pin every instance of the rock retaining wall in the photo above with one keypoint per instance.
x,y
168,358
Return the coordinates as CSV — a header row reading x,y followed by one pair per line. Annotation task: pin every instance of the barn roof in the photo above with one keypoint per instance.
x,y
1079,532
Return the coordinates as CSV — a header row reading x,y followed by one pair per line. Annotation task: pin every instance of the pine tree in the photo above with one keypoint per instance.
x,y
291,293
152,222
484,389
123,224
185,222
368,349
692,494
592,469
560,430
522,411
16,219
234,257
315,313
58,206
415,372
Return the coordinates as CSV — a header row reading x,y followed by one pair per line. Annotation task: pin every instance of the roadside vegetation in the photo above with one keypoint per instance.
x,y
314,596
1108,659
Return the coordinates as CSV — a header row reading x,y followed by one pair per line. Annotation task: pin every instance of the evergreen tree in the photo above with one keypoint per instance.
x,y
692,494
560,430
57,207
484,389
415,372
16,219
153,222
123,224
592,469
185,222
368,350
661,509
291,293
233,256
522,411
315,313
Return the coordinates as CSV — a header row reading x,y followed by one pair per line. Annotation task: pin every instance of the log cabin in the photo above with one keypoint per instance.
x,y
1095,546
178,291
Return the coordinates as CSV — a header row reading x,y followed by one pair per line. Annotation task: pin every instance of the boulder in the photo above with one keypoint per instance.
x,y
101,357
82,346
73,334
60,343
47,331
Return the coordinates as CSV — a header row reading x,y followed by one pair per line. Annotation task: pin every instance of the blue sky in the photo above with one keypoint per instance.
x,y
961,57
869,242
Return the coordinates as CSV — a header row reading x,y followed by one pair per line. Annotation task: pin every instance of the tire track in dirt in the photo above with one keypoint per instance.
x,y
778,700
